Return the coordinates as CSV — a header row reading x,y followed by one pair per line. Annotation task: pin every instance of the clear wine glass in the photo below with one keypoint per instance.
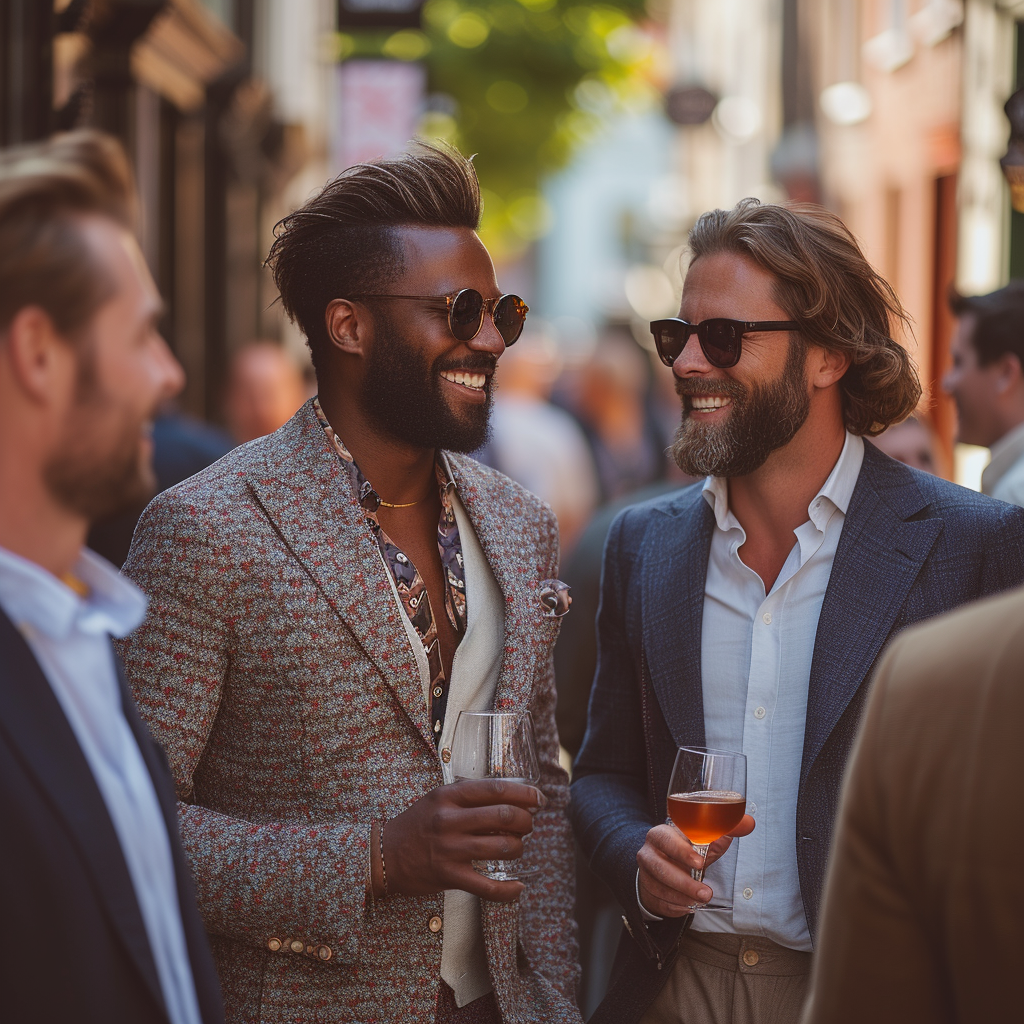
x,y
707,800
496,745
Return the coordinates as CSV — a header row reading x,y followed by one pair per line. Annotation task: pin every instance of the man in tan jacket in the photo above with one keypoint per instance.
x,y
923,914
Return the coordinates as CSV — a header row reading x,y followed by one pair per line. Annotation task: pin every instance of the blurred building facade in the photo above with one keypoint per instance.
x,y
220,106
910,118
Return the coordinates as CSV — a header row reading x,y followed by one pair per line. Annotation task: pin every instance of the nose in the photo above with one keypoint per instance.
x,y
488,338
691,360
172,375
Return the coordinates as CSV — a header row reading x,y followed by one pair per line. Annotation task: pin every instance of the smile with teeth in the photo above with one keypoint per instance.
x,y
476,381
705,403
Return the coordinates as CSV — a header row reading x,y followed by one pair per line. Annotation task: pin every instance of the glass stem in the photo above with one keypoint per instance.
x,y
702,849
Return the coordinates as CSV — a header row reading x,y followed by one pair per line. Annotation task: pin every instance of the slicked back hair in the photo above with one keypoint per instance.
x,y
343,242
824,282
45,261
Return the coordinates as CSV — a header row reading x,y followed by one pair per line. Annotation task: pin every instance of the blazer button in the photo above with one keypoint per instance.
x,y
273,945
434,924
296,946
325,952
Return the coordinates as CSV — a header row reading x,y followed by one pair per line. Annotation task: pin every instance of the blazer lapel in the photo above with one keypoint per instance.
x,y
35,726
881,551
675,567
305,493
512,544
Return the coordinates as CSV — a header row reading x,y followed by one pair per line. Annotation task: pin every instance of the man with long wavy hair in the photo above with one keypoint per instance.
x,y
746,612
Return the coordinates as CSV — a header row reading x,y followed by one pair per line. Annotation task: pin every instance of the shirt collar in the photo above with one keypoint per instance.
x,y
367,497
1005,452
835,493
32,596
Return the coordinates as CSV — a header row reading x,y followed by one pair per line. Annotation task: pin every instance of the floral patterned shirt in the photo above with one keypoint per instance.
x,y
412,591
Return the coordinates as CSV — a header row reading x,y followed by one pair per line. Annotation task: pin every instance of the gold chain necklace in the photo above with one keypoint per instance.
x,y
405,504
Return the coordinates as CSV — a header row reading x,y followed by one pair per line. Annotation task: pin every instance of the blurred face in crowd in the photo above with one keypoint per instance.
x,y
264,390
975,388
911,443
734,418
421,385
124,372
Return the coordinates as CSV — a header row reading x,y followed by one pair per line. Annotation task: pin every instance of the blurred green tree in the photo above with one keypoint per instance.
x,y
522,84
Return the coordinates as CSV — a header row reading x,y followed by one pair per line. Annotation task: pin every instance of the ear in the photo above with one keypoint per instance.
x,y
347,326
826,366
1009,374
42,363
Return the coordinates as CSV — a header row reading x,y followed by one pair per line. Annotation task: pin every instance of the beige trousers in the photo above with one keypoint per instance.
x,y
732,979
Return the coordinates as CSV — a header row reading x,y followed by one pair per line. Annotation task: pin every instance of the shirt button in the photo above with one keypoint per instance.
x,y
751,808
750,958
767,618
759,712
748,893
434,924
296,946
273,945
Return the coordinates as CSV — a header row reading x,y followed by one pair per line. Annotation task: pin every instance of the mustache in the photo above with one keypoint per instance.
x,y
478,361
687,386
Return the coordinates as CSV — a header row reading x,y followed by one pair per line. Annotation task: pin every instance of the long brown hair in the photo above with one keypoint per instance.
x,y
824,282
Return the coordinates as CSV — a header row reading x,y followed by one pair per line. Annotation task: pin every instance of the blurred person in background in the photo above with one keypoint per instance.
x,y
923,914
326,601
264,388
610,398
987,382
746,613
90,857
182,446
914,443
538,444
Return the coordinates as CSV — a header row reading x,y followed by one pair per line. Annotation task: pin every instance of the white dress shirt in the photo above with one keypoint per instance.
x,y
1003,477
475,671
756,652
70,638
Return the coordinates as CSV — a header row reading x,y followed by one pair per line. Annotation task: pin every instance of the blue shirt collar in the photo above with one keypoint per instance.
x,y
33,597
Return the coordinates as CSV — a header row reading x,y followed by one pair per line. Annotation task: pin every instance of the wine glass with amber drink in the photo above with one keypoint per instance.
x,y
707,800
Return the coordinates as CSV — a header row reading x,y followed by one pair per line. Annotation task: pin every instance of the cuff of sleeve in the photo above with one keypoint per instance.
x,y
644,912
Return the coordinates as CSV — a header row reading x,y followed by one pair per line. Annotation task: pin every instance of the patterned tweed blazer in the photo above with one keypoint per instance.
x,y
275,670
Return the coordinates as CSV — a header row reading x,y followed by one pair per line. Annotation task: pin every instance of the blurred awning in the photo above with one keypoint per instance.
x,y
183,50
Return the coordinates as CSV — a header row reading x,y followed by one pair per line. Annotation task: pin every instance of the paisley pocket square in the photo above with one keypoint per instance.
x,y
555,598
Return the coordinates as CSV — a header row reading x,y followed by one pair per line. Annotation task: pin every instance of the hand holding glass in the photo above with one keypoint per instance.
x,y
707,800
496,745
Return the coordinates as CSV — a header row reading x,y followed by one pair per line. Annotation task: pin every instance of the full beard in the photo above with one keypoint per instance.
x,y
403,397
763,419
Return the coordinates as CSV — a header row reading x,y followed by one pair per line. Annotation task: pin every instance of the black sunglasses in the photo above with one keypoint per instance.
x,y
721,341
466,312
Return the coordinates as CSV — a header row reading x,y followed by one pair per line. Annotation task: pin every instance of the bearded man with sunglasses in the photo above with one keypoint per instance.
x,y
325,601
746,612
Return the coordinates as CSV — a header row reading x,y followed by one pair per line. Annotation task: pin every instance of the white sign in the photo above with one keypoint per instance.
x,y
378,105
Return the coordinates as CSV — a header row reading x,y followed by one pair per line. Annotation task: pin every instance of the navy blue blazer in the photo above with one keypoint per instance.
x,y
76,948
912,546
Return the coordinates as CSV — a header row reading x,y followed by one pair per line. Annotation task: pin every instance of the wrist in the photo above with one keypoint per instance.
x,y
644,912
378,881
